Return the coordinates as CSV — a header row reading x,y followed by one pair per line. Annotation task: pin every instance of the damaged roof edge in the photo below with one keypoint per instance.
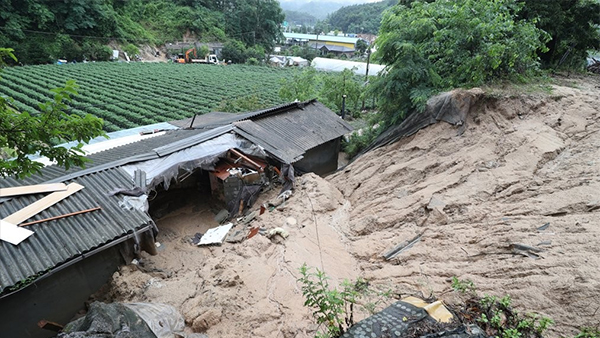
x,y
156,153
79,258
192,140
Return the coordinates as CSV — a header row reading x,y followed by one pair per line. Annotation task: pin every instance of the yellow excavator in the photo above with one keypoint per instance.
x,y
186,58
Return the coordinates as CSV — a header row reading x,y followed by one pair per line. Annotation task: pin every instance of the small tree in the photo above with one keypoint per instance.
x,y
235,51
361,46
131,50
22,134
302,86
335,85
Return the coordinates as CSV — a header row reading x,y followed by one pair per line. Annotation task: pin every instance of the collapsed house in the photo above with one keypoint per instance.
x,y
64,233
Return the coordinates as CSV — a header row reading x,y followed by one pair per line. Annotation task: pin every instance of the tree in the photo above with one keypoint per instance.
x,y
234,51
573,28
429,47
302,86
255,22
335,85
22,134
361,46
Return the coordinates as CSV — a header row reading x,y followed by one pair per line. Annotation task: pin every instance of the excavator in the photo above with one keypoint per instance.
x,y
181,58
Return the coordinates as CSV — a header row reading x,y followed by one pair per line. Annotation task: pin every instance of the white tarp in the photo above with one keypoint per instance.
x,y
203,155
335,65
215,235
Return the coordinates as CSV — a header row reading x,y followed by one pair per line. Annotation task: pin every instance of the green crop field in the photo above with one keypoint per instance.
x,y
128,95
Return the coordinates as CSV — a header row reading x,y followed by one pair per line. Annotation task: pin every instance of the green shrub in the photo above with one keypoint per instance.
x,y
131,50
434,46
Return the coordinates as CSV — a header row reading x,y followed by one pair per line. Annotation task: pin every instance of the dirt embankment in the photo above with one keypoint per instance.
x,y
523,162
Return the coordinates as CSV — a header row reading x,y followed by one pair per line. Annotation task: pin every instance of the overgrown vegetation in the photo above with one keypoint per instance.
x,y
573,28
496,316
328,88
430,47
334,309
42,31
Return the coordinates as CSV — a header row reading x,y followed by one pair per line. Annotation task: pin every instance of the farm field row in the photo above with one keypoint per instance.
x,y
135,94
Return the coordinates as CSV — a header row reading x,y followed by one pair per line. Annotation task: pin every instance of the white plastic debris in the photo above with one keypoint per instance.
x,y
215,235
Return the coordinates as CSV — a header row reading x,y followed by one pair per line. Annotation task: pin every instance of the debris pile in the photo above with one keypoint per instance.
x,y
509,203
594,66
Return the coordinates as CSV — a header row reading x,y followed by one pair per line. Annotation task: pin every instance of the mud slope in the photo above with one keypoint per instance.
x,y
523,162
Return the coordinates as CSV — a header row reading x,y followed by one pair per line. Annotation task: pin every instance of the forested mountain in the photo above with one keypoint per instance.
x,y
364,18
299,18
41,31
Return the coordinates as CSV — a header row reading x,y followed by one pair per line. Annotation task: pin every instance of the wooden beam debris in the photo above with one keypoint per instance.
x,y
42,204
60,216
13,234
32,189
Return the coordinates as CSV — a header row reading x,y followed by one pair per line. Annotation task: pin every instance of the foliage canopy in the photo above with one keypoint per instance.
x,y
573,26
41,31
429,47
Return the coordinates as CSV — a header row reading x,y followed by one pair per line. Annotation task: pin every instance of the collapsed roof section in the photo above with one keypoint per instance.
x,y
284,133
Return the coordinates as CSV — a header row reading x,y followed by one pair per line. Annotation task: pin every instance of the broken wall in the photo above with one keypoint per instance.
x,y
322,159
58,297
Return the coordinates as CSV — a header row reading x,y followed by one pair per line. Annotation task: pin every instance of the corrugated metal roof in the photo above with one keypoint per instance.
x,y
331,48
286,131
320,37
116,157
289,135
219,119
58,242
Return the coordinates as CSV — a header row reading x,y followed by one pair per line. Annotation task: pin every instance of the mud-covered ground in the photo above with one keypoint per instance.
x,y
526,172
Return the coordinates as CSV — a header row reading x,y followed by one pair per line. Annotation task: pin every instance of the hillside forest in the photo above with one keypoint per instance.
x,y
41,31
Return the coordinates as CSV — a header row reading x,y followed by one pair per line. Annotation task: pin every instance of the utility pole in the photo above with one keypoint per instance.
x,y
343,106
368,62
366,75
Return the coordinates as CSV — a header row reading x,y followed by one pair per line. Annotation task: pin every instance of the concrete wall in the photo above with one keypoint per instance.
x,y
322,159
56,298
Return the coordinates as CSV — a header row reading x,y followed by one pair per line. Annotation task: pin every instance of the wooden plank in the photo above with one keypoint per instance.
x,y
61,216
32,189
42,204
48,325
12,233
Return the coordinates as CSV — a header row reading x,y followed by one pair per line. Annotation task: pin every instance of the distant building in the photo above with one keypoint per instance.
x,y
338,45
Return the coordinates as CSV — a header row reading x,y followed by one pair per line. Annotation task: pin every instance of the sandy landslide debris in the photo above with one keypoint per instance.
x,y
522,162
246,289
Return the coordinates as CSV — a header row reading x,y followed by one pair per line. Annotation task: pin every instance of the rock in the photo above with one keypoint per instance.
x,y
436,203
221,216
209,318
290,222
437,217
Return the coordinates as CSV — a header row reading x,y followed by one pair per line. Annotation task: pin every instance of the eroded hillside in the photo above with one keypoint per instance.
x,y
525,171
